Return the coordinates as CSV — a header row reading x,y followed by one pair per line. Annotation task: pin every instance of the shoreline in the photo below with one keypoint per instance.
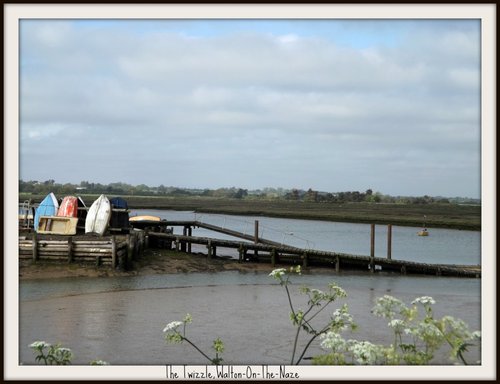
x,y
152,262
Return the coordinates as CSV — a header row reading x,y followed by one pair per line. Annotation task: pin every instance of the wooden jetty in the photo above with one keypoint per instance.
x,y
264,250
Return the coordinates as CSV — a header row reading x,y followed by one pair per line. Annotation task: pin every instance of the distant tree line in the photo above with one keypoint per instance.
x,y
123,189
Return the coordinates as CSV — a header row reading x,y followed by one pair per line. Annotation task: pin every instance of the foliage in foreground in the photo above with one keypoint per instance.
x,y
416,340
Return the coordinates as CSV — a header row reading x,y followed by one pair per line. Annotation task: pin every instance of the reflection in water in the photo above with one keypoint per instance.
x,y
121,320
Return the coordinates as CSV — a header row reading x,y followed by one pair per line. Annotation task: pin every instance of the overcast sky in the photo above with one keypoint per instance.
x,y
330,105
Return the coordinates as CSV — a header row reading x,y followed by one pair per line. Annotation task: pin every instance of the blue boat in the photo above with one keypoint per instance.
x,y
48,207
119,215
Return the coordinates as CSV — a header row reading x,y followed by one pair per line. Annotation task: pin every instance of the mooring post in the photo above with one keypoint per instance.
x,y
372,248
35,247
389,241
256,237
337,263
70,249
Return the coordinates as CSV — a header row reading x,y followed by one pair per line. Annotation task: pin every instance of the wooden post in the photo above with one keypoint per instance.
x,y
146,238
241,253
130,248
337,264
35,247
183,244
372,248
256,237
305,262
273,257
190,234
177,244
70,249
133,247
209,249
113,251
389,241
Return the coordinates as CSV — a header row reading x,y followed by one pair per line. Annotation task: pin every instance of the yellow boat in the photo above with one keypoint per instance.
x,y
144,218
424,231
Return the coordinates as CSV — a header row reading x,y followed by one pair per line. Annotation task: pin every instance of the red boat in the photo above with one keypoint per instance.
x,y
68,207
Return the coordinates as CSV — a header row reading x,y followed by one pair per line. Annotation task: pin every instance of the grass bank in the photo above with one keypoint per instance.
x,y
452,216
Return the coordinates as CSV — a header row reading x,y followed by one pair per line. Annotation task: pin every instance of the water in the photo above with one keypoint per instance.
x,y
442,246
120,319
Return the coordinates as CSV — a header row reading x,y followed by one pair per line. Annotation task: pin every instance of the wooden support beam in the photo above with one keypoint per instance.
x,y
209,249
113,251
389,241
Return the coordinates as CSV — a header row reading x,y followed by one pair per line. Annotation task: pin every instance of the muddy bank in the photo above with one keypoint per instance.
x,y
151,262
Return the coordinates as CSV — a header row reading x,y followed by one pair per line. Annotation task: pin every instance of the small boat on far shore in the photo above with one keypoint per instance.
x,y
424,231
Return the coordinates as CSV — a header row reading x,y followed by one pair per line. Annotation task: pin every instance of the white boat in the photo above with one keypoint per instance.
x,y
98,216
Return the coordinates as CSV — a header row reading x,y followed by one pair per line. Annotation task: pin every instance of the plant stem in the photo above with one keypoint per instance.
x,y
198,349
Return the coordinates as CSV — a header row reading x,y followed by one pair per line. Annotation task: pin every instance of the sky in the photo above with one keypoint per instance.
x,y
332,105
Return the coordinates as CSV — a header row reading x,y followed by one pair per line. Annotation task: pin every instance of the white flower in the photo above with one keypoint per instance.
x,y
476,335
277,273
397,325
333,341
365,352
388,306
424,300
172,326
39,345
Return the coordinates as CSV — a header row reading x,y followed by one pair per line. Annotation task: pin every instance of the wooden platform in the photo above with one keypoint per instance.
x,y
114,250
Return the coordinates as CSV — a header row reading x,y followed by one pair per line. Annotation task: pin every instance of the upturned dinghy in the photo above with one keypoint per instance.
x,y
98,216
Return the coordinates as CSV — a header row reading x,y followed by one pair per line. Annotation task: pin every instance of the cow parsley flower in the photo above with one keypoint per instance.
x,y
39,345
278,273
172,326
424,300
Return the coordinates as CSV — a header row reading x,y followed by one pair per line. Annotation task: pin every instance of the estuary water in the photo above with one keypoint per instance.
x,y
120,319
